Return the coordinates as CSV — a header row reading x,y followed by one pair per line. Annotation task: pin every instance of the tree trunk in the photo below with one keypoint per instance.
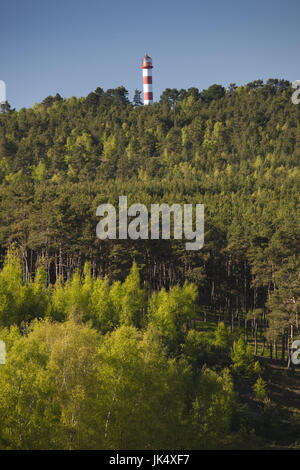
x,y
283,347
255,340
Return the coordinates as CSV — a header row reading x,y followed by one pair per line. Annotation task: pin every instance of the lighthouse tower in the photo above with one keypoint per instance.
x,y
147,79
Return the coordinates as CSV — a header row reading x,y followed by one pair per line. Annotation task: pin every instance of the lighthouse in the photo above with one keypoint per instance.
x,y
147,79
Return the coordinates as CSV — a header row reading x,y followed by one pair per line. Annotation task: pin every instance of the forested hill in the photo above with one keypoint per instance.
x,y
236,150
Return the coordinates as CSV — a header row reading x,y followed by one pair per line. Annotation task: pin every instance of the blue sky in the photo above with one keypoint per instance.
x,y
73,46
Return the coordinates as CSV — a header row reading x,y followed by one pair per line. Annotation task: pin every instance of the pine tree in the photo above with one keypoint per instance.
x,y
137,100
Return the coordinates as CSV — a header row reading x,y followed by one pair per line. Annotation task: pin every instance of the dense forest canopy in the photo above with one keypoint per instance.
x,y
236,151
109,368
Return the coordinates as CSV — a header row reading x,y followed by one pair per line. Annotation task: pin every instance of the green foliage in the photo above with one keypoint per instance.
x,y
199,349
21,302
89,299
243,362
65,387
212,409
173,312
39,171
133,299
260,390
11,284
104,313
46,387
223,337
214,92
58,309
235,150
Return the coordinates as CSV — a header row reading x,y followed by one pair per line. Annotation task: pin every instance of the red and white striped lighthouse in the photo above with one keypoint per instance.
x,y
147,79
